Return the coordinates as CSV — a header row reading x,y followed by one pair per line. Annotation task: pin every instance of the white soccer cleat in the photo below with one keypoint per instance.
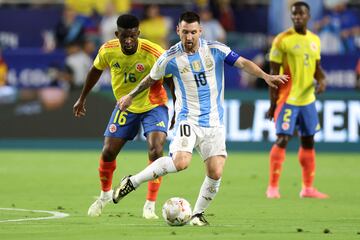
x,y
96,208
149,210
149,214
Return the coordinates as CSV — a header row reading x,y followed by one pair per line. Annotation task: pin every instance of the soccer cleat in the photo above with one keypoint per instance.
x,y
310,192
198,220
272,192
123,189
96,208
149,210
149,214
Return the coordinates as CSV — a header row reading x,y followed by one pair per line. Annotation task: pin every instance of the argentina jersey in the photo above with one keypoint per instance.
x,y
198,80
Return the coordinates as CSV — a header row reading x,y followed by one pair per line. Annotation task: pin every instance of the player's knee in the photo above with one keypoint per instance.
x,y
215,174
181,163
108,154
282,141
307,142
155,151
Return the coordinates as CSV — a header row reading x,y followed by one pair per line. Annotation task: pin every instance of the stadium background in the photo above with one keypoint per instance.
x,y
49,159
35,116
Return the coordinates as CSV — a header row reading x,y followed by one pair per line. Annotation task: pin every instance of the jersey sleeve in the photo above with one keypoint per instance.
x,y
158,70
276,51
224,52
100,62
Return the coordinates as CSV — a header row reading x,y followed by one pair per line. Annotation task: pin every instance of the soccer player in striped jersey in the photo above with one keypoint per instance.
x,y
197,67
296,52
129,59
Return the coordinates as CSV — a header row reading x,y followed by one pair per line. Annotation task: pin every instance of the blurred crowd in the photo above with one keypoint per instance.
x,y
86,24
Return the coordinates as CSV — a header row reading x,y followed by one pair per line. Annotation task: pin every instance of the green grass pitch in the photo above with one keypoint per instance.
x,y
67,181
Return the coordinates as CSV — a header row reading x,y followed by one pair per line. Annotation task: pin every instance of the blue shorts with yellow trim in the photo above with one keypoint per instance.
x,y
126,125
304,118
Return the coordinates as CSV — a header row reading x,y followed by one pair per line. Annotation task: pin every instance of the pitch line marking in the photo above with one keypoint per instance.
x,y
54,214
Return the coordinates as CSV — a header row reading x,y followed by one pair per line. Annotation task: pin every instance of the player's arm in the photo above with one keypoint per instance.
x,y
273,93
126,100
253,69
91,79
169,81
320,78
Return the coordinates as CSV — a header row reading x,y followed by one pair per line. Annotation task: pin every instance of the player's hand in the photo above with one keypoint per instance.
x,y
274,80
271,112
79,108
321,86
124,102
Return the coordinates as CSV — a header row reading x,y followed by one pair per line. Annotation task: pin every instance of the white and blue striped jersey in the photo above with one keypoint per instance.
x,y
198,80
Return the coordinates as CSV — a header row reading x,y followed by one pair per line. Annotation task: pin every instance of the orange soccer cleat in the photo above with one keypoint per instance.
x,y
272,192
310,192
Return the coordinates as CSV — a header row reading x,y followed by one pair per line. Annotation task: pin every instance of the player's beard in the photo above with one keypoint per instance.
x,y
190,47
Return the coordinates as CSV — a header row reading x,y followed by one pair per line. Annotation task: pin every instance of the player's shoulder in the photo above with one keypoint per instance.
x,y
284,35
150,44
110,45
212,44
172,52
220,48
313,35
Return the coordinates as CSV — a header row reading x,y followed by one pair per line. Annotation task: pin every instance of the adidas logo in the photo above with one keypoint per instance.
x,y
116,65
161,124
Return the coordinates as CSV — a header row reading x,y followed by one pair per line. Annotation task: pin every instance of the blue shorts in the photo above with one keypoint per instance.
x,y
305,118
126,124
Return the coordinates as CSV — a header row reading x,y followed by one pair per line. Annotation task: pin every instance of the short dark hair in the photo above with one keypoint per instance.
x,y
301,4
127,21
189,17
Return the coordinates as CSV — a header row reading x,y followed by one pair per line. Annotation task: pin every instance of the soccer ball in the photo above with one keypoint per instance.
x,y
176,211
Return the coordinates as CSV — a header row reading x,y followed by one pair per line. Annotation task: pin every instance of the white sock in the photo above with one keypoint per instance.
x,y
159,167
207,193
106,195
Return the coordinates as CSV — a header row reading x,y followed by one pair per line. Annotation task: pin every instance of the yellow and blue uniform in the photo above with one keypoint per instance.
x,y
127,71
297,55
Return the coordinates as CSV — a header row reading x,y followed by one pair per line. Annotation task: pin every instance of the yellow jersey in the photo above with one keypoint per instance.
x,y
128,70
297,55
3,72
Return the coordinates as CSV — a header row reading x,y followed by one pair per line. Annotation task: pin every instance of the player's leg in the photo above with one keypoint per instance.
x,y
122,126
285,121
155,142
158,168
308,126
277,158
106,169
181,147
208,189
155,124
213,150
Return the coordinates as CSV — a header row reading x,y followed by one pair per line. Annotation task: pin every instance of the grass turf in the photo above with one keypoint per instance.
x,y
67,181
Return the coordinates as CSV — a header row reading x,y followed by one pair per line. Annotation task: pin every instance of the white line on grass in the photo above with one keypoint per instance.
x,y
54,215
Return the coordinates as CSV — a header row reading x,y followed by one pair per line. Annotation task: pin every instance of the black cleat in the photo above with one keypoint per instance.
x,y
198,220
123,189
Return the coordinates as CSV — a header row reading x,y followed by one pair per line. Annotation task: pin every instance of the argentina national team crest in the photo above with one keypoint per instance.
x,y
196,65
208,62
139,67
